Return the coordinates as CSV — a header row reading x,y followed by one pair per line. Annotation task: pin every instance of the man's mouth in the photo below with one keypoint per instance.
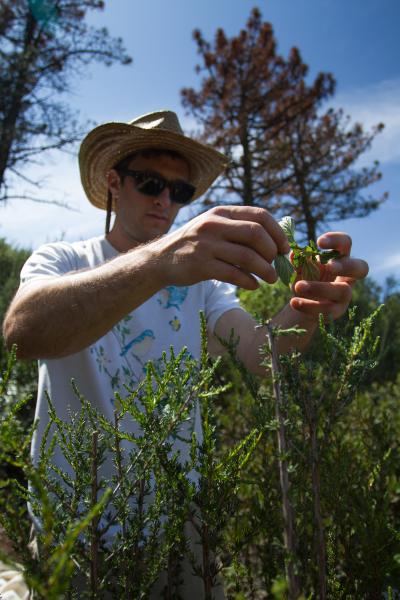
x,y
157,217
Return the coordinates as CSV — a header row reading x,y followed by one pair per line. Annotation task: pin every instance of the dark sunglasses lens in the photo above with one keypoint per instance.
x,y
182,192
150,185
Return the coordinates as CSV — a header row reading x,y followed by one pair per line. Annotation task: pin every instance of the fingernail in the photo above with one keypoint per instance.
x,y
302,286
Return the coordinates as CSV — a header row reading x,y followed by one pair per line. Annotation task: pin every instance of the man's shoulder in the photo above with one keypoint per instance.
x,y
64,256
79,245
95,247
65,245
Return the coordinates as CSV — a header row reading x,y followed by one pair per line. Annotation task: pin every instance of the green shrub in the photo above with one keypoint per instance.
x,y
99,536
337,416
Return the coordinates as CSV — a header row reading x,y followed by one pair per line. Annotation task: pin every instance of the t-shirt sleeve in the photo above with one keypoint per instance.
x,y
48,261
220,297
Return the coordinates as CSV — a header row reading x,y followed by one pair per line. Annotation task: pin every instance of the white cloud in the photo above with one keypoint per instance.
x,y
28,224
371,105
388,263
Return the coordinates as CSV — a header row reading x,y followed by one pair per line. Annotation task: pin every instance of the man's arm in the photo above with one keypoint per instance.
x,y
50,318
252,337
234,244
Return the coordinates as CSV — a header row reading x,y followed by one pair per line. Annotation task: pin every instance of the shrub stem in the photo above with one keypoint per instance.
x,y
287,508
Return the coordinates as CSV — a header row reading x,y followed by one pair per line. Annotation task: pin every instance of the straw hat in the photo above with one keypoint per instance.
x,y
107,144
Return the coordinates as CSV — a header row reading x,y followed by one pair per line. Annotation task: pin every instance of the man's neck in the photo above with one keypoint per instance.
x,y
123,242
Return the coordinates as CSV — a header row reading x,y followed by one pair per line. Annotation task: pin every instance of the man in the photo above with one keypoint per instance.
x,y
98,310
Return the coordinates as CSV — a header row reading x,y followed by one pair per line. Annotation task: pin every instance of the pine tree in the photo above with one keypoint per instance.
x,y
42,44
322,182
248,94
262,111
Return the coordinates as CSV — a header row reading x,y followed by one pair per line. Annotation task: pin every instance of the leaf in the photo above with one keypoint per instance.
x,y
310,271
313,246
328,255
284,268
288,226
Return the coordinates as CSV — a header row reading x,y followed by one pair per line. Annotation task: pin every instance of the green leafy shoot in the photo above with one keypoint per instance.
x,y
304,260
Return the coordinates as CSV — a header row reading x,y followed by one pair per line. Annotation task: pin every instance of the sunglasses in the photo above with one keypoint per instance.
x,y
151,183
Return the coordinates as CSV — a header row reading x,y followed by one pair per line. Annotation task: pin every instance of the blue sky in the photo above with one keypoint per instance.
x,y
356,40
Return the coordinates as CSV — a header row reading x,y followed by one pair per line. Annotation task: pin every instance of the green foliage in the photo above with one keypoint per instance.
x,y
15,440
341,421
342,462
266,301
304,260
100,535
364,470
367,295
24,373
118,534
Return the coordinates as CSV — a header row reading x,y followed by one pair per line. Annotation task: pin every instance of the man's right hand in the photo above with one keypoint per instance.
x,y
228,243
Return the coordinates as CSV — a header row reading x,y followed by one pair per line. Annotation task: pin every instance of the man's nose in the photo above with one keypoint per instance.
x,y
164,198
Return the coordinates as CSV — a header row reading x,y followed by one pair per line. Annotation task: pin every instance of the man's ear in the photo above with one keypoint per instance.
x,y
114,183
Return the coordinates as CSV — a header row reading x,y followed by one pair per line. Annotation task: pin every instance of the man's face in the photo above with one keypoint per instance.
x,y
140,218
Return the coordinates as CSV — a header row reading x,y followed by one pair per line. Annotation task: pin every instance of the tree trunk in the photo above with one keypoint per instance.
x,y
10,119
308,217
316,484
304,197
248,199
207,577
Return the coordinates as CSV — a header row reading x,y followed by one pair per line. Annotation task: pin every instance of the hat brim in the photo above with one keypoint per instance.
x,y
108,144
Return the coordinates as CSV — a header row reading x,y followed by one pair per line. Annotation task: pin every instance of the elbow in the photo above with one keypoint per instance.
x,y
15,336
8,332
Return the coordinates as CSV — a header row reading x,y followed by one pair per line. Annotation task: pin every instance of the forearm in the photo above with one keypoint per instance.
x,y
252,337
288,318
61,316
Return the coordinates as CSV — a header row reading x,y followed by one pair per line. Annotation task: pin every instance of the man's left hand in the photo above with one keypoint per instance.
x,y
332,296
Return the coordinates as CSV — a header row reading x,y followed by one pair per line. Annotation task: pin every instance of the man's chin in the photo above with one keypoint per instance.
x,y
154,232
124,238
159,227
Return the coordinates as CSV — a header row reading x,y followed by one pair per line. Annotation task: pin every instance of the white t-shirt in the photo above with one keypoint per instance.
x,y
169,318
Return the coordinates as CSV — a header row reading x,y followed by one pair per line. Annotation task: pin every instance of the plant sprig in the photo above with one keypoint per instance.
x,y
303,259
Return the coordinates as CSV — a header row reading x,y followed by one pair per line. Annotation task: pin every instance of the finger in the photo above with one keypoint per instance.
x,y
335,240
228,273
336,292
352,268
247,260
258,215
253,236
248,234
313,308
